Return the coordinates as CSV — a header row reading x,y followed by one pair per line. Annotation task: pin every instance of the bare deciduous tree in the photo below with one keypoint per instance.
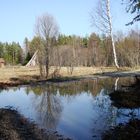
x,y
47,29
102,20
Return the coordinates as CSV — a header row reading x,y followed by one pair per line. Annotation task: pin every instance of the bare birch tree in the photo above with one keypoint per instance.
x,y
47,29
101,19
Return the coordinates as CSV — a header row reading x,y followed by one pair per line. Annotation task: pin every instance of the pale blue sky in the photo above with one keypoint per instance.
x,y
17,17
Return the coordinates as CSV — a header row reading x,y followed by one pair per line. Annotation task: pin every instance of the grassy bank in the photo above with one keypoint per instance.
x,y
8,74
23,75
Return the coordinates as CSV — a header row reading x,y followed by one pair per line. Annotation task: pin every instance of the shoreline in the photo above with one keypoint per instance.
x,y
15,126
21,82
17,76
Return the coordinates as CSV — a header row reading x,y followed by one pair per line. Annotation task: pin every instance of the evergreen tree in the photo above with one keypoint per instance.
x,y
134,8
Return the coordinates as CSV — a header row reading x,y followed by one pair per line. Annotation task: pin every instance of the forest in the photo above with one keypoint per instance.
x,y
11,52
74,50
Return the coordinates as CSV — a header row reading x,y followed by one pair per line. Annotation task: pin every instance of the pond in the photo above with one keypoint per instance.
x,y
80,110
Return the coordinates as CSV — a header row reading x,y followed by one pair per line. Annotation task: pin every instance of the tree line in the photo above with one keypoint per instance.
x,y
11,52
93,51
72,50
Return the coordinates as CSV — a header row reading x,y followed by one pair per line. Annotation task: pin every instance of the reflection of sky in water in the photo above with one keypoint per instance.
x,y
75,115
79,115
19,100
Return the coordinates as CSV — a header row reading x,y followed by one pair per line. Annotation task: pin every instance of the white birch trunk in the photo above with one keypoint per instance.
x,y
111,34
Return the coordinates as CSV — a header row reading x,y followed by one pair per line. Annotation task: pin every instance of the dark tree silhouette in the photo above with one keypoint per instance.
x,y
134,8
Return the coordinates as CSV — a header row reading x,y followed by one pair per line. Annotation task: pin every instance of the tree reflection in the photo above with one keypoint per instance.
x,y
107,115
126,100
116,83
48,105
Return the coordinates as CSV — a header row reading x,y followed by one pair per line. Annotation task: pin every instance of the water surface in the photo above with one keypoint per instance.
x,y
79,110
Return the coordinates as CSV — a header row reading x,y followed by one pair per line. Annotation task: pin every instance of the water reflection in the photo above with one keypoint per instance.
x,y
48,105
126,99
80,110
106,114
116,83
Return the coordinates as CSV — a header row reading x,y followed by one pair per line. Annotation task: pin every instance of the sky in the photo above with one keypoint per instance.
x,y
18,17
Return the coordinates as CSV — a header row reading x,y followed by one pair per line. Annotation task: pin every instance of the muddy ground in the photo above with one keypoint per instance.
x,y
14,126
129,131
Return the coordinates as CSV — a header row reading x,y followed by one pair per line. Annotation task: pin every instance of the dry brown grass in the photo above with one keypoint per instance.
x,y
15,72
26,73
